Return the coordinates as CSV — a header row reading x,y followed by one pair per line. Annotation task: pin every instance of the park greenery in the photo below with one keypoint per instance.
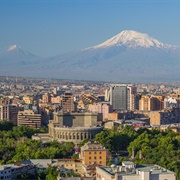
x,y
150,146
16,145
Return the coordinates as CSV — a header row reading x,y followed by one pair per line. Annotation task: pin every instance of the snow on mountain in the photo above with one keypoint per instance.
x,y
15,49
131,39
12,48
17,56
128,56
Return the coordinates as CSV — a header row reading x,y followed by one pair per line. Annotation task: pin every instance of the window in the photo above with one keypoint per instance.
x,y
100,162
100,152
94,157
89,152
89,157
95,152
100,157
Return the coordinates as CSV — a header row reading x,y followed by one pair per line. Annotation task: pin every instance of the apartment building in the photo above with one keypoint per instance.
x,y
93,153
29,118
129,171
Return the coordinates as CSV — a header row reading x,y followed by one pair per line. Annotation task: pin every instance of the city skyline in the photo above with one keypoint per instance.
x,y
48,28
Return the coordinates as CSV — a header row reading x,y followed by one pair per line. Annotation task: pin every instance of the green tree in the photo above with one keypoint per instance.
x,y
52,172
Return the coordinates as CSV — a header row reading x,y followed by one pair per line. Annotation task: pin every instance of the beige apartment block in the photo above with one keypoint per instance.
x,y
93,153
28,100
148,103
29,118
71,164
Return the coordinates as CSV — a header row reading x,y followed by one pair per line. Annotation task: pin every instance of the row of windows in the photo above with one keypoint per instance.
x,y
95,157
100,162
95,152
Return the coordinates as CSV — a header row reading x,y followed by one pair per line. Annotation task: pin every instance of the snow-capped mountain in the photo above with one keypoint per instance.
x,y
16,52
128,56
132,39
17,61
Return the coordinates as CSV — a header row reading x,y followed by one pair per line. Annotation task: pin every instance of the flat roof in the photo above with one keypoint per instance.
x,y
78,127
153,168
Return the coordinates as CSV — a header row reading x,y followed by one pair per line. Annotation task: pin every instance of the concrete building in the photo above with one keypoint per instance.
x,y
11,171
68,104
107,95
131,97
4,112
93,153
167,116
29,118
74,119
123,96
13,112
28,99
150,103
113,116
5,100
129,171
118,97
71,127
56,99
74,165
88,98
103,109
46,98
9,112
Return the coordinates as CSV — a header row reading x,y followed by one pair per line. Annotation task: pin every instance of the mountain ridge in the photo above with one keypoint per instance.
x,y
131,39
129,55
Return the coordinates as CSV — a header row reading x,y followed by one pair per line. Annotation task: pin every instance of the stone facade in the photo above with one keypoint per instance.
x,y
75,119
71,127
73,134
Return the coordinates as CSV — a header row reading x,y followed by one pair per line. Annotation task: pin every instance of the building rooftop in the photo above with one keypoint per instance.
x,y
92,145
79,127
135,169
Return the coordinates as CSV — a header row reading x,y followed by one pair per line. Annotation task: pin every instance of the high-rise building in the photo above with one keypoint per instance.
x,y
107,95
68,104
4,112
8,112
131,97
122,96
150,103
118,97
5,100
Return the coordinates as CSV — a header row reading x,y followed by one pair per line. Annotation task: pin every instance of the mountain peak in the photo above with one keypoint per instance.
x,y
13,47
132,39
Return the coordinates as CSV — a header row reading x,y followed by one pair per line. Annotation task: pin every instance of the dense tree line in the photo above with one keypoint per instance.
x,y
150,146
155,147
16,145
117,140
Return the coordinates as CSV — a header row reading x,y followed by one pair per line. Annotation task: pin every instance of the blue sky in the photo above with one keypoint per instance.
x,y
51,27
